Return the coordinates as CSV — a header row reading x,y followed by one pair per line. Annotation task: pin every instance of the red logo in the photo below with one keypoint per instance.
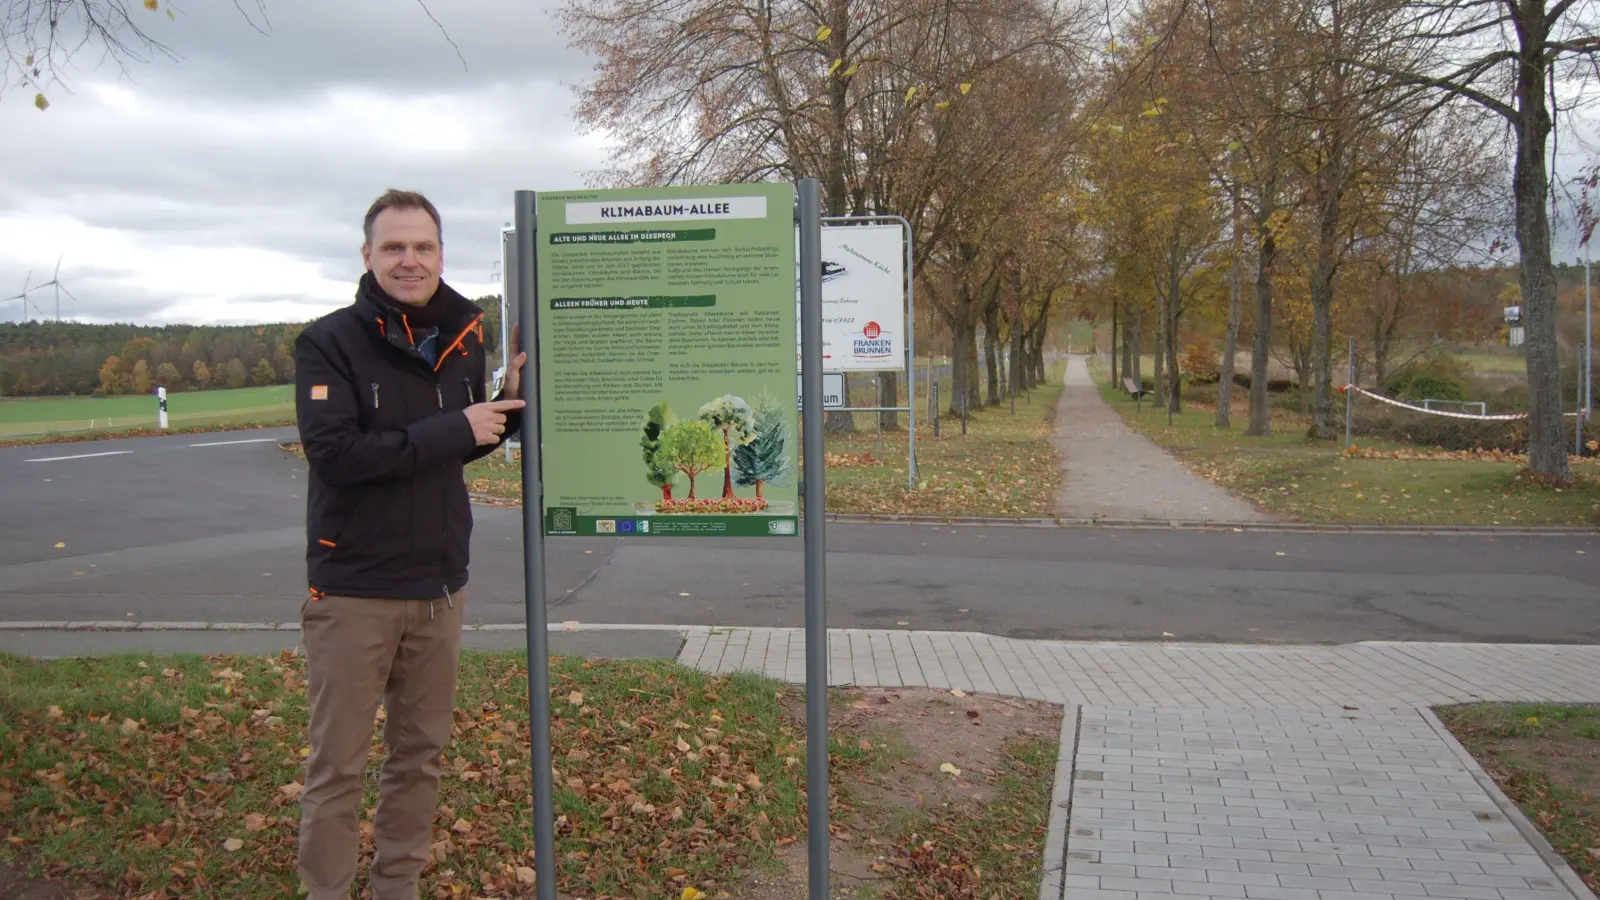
x,y
872,331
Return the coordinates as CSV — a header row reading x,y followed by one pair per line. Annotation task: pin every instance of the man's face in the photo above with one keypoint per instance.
x,y
405,255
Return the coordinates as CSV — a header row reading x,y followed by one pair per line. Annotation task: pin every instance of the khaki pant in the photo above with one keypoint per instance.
x,y
360,651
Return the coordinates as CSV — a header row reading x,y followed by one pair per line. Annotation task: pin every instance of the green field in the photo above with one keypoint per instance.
x,y
188,409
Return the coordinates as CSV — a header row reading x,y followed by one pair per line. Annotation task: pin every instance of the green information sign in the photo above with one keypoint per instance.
x,y
666,355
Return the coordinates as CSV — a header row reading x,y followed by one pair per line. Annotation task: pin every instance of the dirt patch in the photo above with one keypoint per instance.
x,y
16,886
925,756
1547,759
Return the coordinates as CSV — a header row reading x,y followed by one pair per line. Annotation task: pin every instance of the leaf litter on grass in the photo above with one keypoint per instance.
x,y
1546,757
666,780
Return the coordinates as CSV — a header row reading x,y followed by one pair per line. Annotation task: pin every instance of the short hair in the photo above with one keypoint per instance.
x,y
395,198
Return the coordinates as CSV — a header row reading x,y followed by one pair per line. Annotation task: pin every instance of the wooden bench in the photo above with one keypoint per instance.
x,y
1134,389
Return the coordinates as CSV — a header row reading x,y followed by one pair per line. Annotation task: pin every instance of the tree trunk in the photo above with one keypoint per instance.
x,y
1019,365
1114,307
1127,346
889,395
991,349
1230,348
1174,313
1162,316
1547,451
1260,419
840,421
1136,352
1322,299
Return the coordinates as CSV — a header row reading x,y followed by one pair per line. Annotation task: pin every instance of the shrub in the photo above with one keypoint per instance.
x,y
1434,377
1200,363
711,505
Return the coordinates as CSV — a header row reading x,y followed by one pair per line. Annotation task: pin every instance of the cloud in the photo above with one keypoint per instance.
x,y
229,186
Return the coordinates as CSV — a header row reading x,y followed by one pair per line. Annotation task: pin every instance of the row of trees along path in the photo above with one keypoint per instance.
x,y
1112,472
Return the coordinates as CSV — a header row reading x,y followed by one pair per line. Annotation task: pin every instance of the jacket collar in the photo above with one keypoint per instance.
x,y
388,315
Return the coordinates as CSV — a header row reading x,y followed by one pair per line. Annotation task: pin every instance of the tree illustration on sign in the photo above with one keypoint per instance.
x,y
765,460
691,447
657,471
733,417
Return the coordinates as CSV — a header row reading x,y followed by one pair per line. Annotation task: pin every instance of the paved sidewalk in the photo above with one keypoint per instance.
x,y
1112,472
1256,772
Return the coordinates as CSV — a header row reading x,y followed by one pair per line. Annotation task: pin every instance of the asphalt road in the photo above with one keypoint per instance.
x,y
210,528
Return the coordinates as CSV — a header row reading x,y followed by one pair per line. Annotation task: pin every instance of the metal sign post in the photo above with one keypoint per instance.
x,y
809,214
533,572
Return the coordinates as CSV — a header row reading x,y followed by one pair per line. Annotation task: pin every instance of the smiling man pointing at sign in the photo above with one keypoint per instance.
x,y
390,400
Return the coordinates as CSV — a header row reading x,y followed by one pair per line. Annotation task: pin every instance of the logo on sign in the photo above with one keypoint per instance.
x,y
625,526
780,526
871,344
605,526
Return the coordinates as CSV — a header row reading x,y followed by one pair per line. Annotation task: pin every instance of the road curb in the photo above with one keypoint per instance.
x,y
1053,885
1530,832
1111,524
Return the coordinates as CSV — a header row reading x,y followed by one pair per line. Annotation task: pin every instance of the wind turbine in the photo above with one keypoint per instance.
x,y
23,297
55,282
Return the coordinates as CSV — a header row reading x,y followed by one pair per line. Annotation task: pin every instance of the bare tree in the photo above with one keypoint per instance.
x,y
1512,57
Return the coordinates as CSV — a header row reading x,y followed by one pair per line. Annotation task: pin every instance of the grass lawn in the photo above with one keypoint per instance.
x,y
1547,759
180,777
98,415
1004,466
1313,481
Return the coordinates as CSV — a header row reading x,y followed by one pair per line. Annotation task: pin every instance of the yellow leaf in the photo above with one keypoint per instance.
x,y
835,67
231,844
910,92
949,769
852,70
1116,128
60,545
690,893
152,5
964,86
942,104
172,15
683,746
28,60
957,692
823,33
575,698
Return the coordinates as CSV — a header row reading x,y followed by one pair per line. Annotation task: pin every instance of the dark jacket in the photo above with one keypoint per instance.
x,y
387,513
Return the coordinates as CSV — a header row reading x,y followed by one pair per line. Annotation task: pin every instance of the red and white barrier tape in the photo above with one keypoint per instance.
x,y
1505,417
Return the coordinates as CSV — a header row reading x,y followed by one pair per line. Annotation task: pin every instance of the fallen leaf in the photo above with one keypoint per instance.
x,y
254,822
232,844
950,769
61,545
526,875
690,893
292,790
575,698
1167,634
129,726
958,692
54,712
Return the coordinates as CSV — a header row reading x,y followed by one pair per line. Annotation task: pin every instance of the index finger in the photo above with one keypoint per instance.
x,y
503,405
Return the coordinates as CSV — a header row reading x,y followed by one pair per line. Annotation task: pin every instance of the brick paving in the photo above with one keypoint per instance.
x,y
1254,772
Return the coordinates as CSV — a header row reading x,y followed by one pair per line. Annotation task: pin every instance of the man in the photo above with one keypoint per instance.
x,y
389,396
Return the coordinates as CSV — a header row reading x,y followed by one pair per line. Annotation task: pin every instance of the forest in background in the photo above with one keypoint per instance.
x,y
61,359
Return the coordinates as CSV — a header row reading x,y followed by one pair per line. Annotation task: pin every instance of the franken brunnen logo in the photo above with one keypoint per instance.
x,y
870,343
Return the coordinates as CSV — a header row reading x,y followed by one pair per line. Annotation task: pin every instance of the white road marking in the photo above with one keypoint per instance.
x,y
79,456
226,443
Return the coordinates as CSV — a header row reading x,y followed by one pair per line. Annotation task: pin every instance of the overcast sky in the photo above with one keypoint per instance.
x,y
229,186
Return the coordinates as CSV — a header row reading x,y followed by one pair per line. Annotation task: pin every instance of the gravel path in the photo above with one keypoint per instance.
x,y
1112,472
